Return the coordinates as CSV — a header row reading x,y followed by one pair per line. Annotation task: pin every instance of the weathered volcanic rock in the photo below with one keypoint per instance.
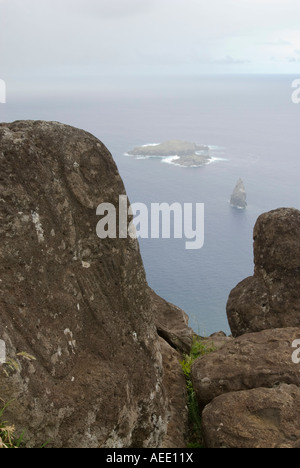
x,y
80,305
258,418
277,241
172,324
175,385
216,340
271,298
253,360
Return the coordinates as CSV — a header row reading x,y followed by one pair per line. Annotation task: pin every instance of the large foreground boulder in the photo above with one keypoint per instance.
x,y
261,359
78,305
258,418
270,298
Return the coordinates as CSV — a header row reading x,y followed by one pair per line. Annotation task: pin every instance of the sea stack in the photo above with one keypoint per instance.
x,y
239,196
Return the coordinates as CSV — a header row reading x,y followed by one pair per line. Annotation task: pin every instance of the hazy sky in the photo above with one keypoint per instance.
x,y
54,39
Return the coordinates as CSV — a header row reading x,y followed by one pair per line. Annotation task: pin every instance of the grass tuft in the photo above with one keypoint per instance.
x,y
8,439
195,438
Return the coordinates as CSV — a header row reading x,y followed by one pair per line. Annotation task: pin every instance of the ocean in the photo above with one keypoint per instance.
x,y
253,126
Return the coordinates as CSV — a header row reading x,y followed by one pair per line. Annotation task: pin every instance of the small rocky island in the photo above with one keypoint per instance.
x,y
179,152
239,196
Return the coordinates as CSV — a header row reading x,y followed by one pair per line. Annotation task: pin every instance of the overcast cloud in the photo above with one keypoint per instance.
x,y
49,39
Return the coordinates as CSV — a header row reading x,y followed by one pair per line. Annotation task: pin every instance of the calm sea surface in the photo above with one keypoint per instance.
x,y
255,127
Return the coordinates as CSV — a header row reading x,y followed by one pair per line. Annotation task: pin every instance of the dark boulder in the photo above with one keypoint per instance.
x,y
258,418
253,360
270,298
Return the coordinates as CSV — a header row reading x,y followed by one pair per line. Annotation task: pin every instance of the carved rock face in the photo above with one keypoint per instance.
x,y
80,305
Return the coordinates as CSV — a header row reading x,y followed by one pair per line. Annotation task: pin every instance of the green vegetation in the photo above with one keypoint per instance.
x,y
195,426
8,439
11,366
